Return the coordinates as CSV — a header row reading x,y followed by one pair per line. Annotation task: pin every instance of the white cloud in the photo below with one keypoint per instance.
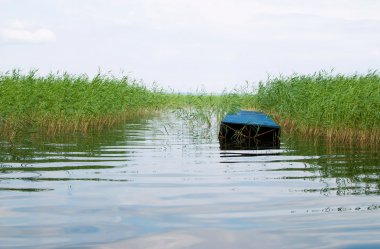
x,y
24,32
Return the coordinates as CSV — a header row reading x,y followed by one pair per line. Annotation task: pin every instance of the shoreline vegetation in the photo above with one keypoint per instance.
x,y
68,103
342,109
335,108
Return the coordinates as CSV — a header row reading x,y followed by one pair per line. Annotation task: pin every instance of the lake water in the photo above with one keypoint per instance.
x,y
160,183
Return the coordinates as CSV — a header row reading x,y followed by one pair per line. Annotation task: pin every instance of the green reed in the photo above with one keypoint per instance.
x,y
69,103
338,107
65,103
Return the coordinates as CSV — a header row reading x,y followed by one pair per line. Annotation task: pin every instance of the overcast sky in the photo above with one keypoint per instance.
x,y
190,44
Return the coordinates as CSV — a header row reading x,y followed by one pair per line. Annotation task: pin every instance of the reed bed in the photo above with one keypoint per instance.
x,y
67,103
336,108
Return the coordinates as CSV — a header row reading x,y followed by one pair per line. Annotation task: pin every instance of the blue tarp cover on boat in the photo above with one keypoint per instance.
x,y
250,118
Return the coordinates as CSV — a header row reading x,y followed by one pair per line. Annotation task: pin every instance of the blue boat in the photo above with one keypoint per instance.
x,y
249,129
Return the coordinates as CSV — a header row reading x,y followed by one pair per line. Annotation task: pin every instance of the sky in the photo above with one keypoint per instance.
x,y
190,45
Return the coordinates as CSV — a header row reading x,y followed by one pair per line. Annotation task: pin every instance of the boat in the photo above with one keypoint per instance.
x,y
249,129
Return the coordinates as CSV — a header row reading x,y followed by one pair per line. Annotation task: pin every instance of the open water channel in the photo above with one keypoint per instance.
x,y
160,183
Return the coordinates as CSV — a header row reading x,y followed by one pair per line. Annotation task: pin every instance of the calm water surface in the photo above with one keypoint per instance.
x,y
159,183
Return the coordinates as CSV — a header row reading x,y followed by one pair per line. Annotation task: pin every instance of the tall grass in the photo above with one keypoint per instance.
x,y
65,103
335,107
203,107
338,108
69,103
